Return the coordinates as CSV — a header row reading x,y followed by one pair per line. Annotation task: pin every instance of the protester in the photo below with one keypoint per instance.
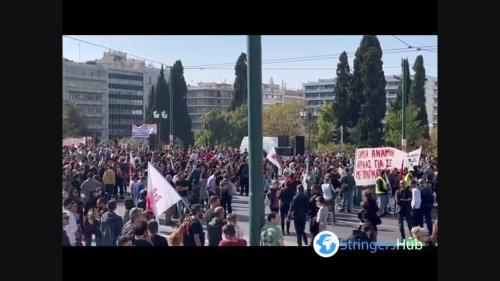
x,y
111,225
138,187
286,197
65,222
129,204
348,184
214,228
416,202
109,179
226,194
369,210
322,214
230,238
232,219
298,211
156,239
141,238
128,228
195,235
403,200
382,192
313,211
271,234
182,187
91,227
141,203
70,208
209,214
427,203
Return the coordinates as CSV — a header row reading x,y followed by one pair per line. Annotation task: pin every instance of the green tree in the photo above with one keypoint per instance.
x,y
369,78
202,138
355,99
73,122
283,119
237,121
226,128
327,123
159,100
182,120
399,95
392,134
150,108
417,94
240,83
343,88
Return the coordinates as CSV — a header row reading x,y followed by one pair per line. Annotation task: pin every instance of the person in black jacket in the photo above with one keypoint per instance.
x,y
111,225
403,207
427,203
157,240
141,203
369,210
298,211
313,210
286,197
214,228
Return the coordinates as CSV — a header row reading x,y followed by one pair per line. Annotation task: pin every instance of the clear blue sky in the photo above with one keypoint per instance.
x,y
205,50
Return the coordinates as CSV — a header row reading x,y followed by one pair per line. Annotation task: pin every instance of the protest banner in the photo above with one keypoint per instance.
x,y
143,131
370,161
414,157
74,141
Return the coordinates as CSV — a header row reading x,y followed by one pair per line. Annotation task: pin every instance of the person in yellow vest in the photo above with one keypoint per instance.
x,y
382,192
407,176
109,180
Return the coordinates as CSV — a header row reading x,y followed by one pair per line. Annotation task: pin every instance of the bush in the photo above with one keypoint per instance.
x,y
329,147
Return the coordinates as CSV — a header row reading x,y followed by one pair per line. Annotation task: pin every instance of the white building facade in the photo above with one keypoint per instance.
x,y
205,97
87,86
111,92
315,93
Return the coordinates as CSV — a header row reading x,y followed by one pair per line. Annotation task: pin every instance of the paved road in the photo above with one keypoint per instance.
x,y
388,231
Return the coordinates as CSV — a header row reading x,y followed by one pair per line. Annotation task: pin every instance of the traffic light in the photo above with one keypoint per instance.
x,y
335,139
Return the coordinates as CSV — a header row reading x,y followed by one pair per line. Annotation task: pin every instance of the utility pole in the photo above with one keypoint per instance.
x,y
406,71
341,139
171,109
255,136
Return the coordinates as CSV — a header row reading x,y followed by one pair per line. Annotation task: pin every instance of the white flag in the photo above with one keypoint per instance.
x,y
272,156
161,194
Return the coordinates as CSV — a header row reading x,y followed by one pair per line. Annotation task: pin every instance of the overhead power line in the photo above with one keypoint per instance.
x,y
108,48
230,65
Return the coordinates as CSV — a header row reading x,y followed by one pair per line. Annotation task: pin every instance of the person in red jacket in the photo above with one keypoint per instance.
x,y
229,232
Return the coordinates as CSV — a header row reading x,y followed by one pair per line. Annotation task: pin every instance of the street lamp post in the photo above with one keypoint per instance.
x,y
157,115
308,114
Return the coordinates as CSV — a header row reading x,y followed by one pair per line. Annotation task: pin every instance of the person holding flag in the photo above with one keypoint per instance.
x,y
161,194
273,157
131,167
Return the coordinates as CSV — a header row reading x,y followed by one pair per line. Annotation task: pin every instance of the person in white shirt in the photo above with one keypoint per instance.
x,y
70,207
212,183
322,215
416,201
